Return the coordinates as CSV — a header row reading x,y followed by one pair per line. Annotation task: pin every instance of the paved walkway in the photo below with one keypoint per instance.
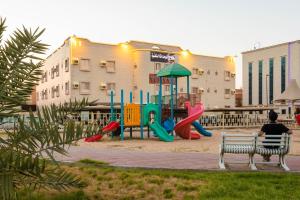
x,y
168,160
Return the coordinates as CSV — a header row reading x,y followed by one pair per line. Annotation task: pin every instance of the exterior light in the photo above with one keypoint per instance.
x,y
73,40
185,53
124,45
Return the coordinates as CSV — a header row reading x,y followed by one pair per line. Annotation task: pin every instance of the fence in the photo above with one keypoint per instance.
x,y
208,120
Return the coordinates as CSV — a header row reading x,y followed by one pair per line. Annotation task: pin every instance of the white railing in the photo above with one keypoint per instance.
x,y
232,120
211,121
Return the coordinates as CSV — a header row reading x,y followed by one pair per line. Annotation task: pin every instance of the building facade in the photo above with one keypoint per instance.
x,y
81,68
267,71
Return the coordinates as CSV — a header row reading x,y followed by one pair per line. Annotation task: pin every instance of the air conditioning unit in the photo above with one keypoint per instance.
x,y
75,61
227,78
216,90
201,90
75,85
232,75
102,63
232,92
103,86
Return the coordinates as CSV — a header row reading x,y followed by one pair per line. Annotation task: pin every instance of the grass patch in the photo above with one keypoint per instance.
x,y
93,162
108,182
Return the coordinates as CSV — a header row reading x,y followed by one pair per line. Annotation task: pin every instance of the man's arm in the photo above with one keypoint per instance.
x,y
289,132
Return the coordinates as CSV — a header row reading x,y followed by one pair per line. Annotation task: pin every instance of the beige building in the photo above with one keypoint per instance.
x,y
81,68
267,71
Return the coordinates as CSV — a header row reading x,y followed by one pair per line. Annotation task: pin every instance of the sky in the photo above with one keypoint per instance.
x,y
207,27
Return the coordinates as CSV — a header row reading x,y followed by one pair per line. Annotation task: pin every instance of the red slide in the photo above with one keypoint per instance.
x,y
112,126
183,127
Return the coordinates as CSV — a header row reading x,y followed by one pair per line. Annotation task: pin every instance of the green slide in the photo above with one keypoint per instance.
x,y
161,132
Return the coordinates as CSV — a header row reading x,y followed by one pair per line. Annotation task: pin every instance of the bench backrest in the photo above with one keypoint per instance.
x,y
238,139
276,141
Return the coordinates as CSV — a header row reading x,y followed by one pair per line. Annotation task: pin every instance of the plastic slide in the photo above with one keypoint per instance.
x,y
93,138
298,119
111,127
183,127
158,130
169,125
200,129
161,132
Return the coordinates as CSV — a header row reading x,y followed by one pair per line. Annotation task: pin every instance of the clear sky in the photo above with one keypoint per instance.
x,y
209,27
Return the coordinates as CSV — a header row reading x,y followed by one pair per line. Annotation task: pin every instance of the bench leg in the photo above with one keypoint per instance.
x,y
283,163
221,160
251,162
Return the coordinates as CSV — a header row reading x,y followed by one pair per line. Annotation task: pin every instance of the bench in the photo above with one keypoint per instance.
x,y
251,144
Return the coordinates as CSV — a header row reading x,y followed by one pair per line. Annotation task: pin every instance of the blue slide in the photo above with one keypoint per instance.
x,y
200,129
169,125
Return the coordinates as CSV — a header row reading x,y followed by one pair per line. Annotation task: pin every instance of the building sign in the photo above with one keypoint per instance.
x,y
153,79
161,57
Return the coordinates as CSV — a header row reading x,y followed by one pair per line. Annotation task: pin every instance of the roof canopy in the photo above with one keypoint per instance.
x,y
174,70
292,93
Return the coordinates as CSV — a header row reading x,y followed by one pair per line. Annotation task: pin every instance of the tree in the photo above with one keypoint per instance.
x,y
25,152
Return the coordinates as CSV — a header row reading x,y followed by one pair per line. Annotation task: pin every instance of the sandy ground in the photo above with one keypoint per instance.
x,y
152,144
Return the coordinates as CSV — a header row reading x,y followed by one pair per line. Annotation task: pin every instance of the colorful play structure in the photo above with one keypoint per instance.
x,y
150,114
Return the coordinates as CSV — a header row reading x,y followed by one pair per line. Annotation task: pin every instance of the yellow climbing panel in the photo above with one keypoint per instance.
x,y
132,115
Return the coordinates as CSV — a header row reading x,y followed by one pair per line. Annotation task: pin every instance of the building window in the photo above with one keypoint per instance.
x,y
84,65
53,92
52,72
216,73
195,90
250,83
283,66
67,65
57,91
195,73
167,88
67,88
227,75
271,80
227,93
208,72
208,90
111,87
260,81
157,67
57,70
46,94
84,87
283,111
110,66
156,88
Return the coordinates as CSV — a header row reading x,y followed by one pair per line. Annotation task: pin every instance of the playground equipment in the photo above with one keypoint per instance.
x,y
150,115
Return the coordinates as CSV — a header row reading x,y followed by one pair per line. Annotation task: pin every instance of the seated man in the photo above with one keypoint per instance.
x,y
273,128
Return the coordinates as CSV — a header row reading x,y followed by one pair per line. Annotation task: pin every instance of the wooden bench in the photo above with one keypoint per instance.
x,y
251,144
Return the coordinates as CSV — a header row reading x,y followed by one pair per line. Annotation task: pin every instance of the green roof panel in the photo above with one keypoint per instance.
x,y
174,70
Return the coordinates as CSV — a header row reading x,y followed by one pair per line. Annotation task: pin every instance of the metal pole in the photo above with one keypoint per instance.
x,y
171,103
141,114
159,100
176,92
122,115
188,87
148,97
130,97
111,105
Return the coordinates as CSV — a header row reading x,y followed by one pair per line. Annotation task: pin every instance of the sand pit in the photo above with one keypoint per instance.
x,y
204,145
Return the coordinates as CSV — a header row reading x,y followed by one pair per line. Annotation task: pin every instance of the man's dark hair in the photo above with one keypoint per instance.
x,y
273,116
